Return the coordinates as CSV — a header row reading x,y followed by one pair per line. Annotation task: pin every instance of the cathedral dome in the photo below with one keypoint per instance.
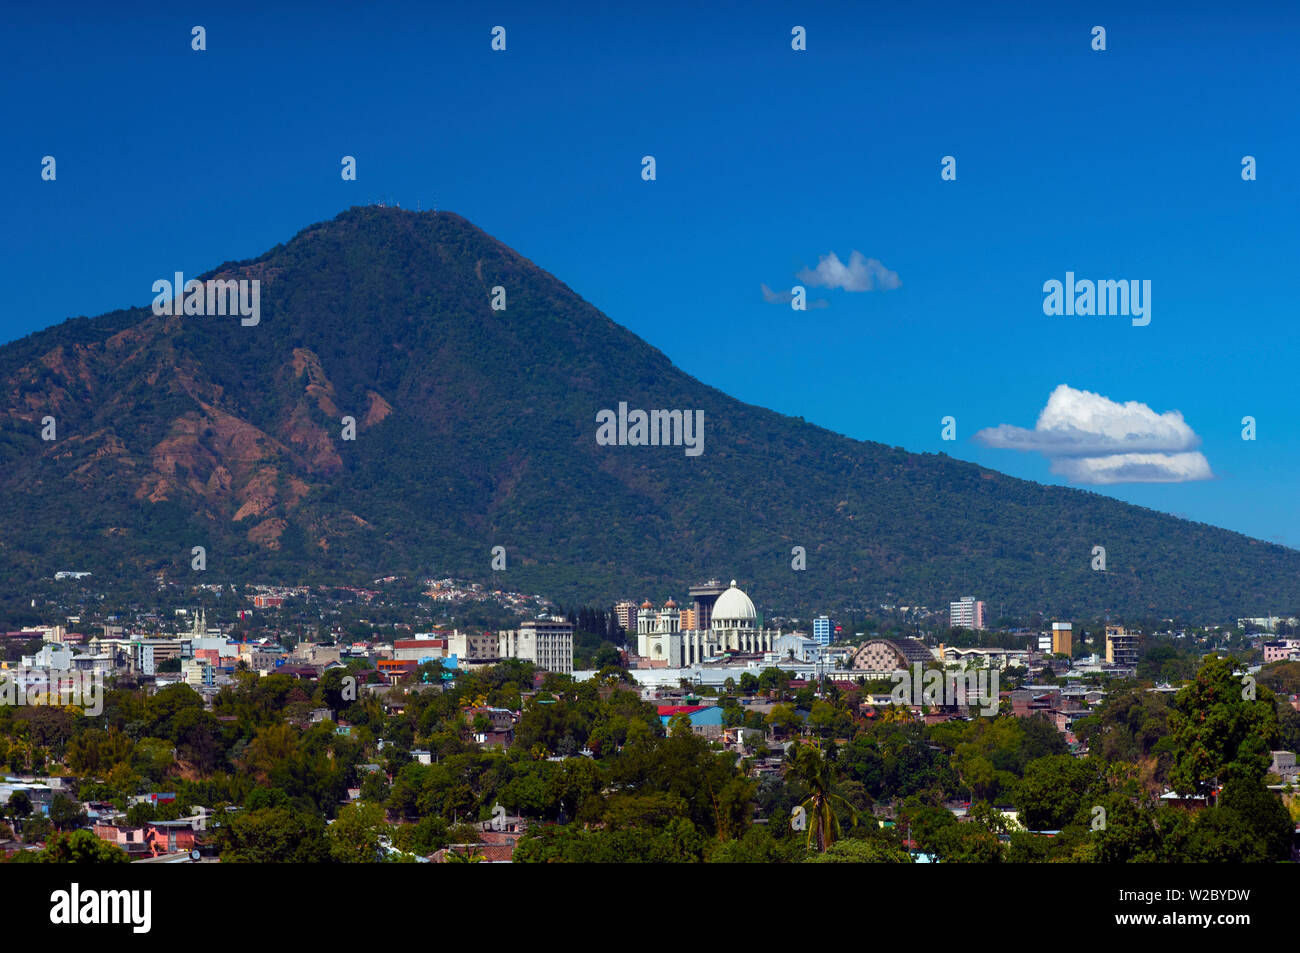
x,y
734,610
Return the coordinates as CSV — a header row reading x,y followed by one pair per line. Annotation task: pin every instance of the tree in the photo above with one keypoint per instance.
x,y
818,776
1055,789
336,693
858,851
829,720
197,734
1288,724
65,813
95,751
861,760
1128,726
357,833
685,765
651,811
756,846
784,719
1129,836
1211,719
424,837
20,804
37,828
677,842
576,781
80,847
1249,825
140,813
274,835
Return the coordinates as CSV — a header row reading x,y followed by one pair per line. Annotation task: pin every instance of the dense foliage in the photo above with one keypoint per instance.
x,y
598,777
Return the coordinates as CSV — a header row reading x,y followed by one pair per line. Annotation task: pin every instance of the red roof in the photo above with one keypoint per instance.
x,y
681,709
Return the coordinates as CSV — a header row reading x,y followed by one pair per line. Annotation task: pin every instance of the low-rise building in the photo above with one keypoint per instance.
x,y
419,650
1281,650
880,658
1284,766
706,720
798,647
472,646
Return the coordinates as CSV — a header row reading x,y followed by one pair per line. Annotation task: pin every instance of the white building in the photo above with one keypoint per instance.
x,y
733,629
547,643
966,614
224,647
56,657
198,672
467,646
804,649
953,656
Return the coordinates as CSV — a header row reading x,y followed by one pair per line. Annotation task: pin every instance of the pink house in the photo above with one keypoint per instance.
x,y
127,838
157,837
1280,650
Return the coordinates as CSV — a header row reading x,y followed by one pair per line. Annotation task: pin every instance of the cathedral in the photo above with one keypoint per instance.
x,y
733,629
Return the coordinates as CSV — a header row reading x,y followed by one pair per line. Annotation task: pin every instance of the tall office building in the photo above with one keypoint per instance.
x,y
703,597
823,630
966,614
1121,647
1062,638
625,612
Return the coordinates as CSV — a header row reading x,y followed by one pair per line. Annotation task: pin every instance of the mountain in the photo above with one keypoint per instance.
x,y
476,428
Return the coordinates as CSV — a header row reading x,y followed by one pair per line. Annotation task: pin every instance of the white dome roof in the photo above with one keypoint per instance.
x,y
733,606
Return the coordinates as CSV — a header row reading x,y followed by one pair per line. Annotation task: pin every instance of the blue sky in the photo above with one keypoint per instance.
x,y
1117,164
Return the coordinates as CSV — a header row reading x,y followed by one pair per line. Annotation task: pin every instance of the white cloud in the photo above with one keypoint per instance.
x,y
860,274
1092,439
1134,468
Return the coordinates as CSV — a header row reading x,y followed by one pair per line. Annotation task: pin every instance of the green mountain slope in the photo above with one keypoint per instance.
x,y
476,428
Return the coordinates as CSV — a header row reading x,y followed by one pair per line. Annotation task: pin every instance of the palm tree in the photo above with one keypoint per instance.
x,y
818,775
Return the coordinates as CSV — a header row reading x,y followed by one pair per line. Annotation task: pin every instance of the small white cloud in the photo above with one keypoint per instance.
x,y
1134,468
1092,439
860,274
